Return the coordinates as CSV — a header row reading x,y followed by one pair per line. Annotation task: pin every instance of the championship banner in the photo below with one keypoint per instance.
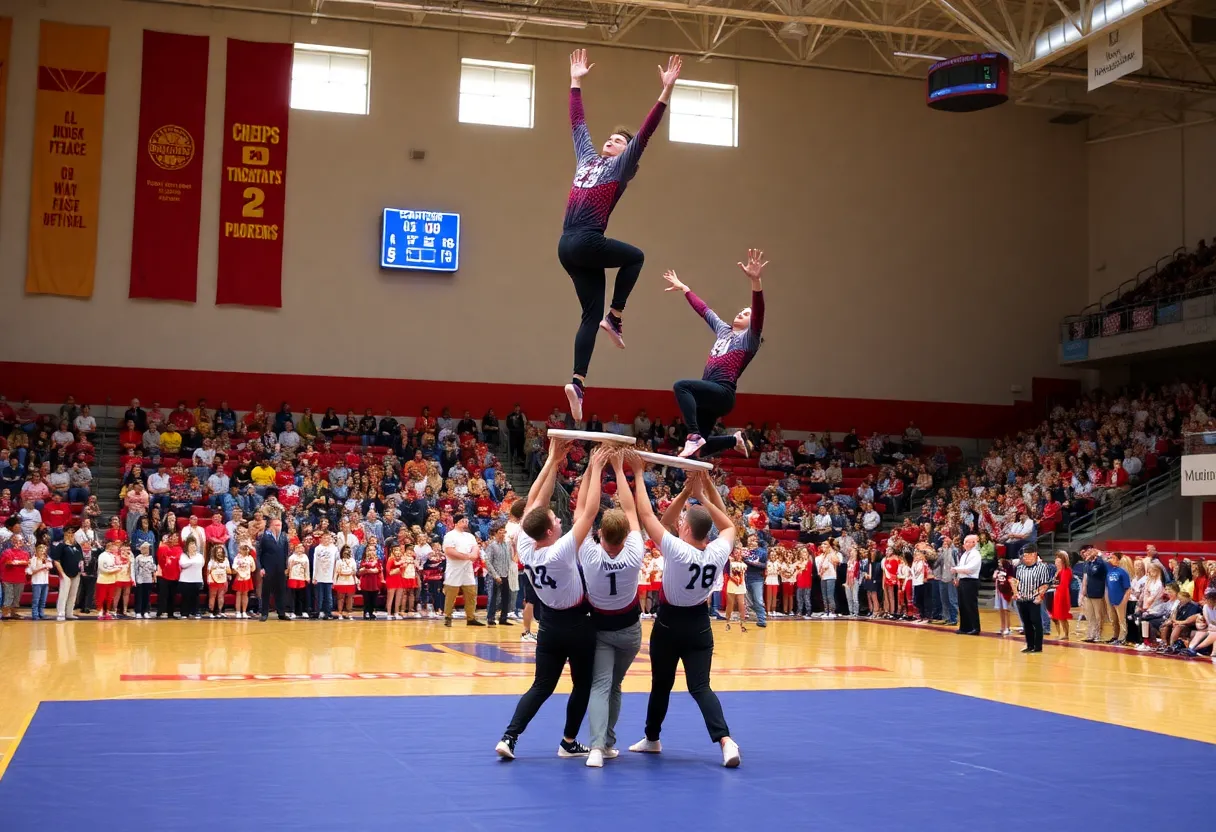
x,y
169,170
66,182
6,39
253,185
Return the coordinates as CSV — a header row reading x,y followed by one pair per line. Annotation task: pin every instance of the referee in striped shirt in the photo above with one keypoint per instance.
x,y
1032,579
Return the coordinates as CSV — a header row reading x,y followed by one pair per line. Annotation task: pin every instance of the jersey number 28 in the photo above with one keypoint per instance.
x,y
704,574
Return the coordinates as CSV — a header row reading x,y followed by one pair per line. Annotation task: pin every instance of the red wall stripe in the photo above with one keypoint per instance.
x,y
51,383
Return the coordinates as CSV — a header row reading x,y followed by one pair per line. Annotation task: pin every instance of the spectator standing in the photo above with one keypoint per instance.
x,y
67,557
498,567
461,550
1118,586
967,574
756,560
1093,592
274,547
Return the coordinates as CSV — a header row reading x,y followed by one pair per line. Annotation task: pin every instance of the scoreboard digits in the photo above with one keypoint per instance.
x,y
420,240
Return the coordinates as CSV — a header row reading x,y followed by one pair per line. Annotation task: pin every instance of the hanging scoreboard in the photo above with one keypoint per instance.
x,y
420,240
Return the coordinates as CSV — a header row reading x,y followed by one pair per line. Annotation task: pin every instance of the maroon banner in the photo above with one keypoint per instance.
x,y
169,173
253,184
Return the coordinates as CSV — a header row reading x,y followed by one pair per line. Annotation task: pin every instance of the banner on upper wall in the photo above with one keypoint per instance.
x,y
253,184
1115,53
169,170
6,39
66,181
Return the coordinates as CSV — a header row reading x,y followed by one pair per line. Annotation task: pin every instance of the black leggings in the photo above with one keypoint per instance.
x,y
683,634
369,602
557,642
584,255
702,404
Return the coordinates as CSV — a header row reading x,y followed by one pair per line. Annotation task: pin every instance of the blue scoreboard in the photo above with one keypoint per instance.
x,y
422,240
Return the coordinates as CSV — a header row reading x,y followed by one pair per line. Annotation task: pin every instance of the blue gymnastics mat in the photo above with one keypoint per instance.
x,y
907,758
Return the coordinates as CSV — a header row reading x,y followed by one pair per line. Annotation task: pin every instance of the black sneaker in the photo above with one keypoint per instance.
x,y
473,622
574,748
447,622
506,747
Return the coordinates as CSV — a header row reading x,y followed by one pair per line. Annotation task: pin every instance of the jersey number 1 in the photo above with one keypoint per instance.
x,y
612,583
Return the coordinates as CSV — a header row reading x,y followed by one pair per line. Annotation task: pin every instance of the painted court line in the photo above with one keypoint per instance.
x,y
477,674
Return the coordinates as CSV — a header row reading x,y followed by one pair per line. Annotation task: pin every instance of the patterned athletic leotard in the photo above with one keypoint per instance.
x,y
733,351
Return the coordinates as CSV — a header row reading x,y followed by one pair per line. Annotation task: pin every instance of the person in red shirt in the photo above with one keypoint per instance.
x,y
216,532
168,572
12,574
130,439
181,418
55,515
370,572
115,533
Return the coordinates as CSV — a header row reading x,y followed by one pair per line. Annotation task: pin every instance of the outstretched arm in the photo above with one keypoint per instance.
x,y
754,269
583,148
542,490
633,151
674,284
645,513
677,505
622,489
589,496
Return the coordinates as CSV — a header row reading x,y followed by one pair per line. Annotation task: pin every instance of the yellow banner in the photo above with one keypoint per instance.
x,y
6,39
66,189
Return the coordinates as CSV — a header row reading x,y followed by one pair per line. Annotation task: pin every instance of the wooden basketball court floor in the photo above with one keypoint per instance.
x,y
143,662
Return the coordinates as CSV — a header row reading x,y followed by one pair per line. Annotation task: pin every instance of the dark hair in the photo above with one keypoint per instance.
x,y
623,131
699,522
537,523
456,518
517,508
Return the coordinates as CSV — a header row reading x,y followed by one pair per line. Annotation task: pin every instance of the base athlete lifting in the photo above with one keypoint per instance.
x,y
703,403
599,181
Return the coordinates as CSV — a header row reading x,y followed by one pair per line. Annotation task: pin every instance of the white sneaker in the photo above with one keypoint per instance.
x,y
645,746
611,753
692,445
595,759
291,616
60,618
574,397
730,753
527,637
742,445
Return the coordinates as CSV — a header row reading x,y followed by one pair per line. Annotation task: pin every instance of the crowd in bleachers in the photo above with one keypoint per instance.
x,y
1188,273
810,512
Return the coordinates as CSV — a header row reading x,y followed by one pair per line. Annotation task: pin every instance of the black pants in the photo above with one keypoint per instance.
x,y
968,605
274,586
1032,623
369,602
299,600
702,404
84,597
143,598
584,255
189,598
918,600
560,639
683,634
165,590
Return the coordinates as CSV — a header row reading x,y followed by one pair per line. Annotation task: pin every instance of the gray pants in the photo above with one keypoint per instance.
x,y
66,602
614,652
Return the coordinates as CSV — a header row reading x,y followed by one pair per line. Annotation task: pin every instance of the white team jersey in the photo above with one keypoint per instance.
x,y
552,570
690,573
612,582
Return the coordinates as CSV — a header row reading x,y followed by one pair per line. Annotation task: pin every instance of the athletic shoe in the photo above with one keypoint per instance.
x,y
491,623
474,622
574,748
615,332
596,758
574,396
742,444
506,747
645,746
447,622
60,618
611,753
1142,648
730,753
291,616
527,637
692,445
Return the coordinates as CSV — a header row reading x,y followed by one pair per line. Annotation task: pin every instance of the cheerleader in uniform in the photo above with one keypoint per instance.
x,y
904,576
890,584
217,581
644,582
789,574
772,582
393,580
656,583
345,571
409,584
124,582
242,567
297,580
736,592
369,582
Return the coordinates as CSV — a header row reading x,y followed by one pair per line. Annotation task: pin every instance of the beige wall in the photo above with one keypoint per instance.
x,y
902,239
1148,195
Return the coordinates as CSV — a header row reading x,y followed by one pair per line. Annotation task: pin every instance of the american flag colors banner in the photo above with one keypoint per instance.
x,y
169,170
66,181
253,186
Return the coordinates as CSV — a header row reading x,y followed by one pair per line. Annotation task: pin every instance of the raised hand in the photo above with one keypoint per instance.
x,y
558,448
601,456
636,463
578,64
674,284
669,75
754,267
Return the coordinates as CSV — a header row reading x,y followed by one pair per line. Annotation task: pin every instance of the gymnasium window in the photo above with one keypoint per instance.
x,y
703,113
330,78
496,93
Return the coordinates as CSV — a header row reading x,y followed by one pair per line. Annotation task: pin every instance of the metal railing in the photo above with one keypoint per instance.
x,y
1137,316
1120,507
1199,443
